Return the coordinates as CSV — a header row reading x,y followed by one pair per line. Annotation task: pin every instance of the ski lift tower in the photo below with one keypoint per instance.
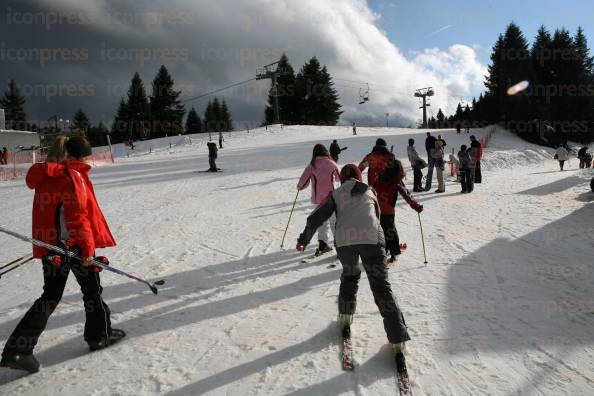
x,y
271,72
424,93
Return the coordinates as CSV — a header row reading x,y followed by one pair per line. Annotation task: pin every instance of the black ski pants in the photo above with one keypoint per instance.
x,y
391,234
97,325
374,262
466,180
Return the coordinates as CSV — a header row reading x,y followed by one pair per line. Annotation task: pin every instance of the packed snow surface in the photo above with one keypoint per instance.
x,y
505,305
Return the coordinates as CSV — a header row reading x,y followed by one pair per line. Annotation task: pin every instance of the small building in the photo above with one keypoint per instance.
x,y
13,140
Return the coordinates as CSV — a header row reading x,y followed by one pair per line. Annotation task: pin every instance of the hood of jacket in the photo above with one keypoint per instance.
x,y
41,172
380,150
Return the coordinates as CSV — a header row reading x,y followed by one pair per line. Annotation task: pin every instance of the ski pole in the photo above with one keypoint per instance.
x,y
15,261
16,266
288,222
422,238
75,256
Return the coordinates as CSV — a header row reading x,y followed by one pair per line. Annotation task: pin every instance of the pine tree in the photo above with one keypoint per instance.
x,y
193,123
167,111
80,121
287,99
440,119
13,104
97,135
226,121
216,116
317,98
119,129
137,110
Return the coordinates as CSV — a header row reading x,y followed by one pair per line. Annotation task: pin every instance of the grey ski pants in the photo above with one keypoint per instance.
x,y
373,258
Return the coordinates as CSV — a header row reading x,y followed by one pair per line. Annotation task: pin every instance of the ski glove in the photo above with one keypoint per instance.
x,y
55,260
101,259
416,206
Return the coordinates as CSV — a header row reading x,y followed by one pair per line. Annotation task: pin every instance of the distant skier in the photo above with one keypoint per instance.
x,y
458,128
437,154
429,145
4,156
65,213
477,176
387,187
221,139
377,161
417,164
465,173
584,157
212,156
354,129
359,235
322,172
443,142
561,155
335,150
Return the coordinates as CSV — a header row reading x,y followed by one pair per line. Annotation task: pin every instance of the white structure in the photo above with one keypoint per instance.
x,y
13,139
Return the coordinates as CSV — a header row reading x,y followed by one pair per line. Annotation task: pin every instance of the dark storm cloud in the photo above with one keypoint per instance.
x,y
66,54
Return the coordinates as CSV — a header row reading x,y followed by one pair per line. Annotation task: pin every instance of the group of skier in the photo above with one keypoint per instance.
x,y
361,216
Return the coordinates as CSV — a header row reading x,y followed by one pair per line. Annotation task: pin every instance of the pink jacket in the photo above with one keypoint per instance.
x,y
322,178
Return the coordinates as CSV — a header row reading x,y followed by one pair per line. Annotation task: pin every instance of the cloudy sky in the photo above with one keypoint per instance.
x,y
66,54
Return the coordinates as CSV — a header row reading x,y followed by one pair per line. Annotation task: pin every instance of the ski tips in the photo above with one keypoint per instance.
x,y
155,284
160,282
154,289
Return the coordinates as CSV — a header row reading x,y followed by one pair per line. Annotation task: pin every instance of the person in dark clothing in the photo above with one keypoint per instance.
x,y
359,235
4,156
388,186
478,155
584,157
221,139
335,150
212,156
429,146
592,184
465,174
417,163
458,128
378,160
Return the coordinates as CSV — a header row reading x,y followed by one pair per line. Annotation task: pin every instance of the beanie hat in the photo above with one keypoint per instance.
x,y
350,171
411,142
380,142
78,147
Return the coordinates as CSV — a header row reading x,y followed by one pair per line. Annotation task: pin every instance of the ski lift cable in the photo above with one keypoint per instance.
x,y
217,90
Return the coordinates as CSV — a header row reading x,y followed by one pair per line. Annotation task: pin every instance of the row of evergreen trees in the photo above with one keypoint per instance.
x,y
142,117
558,103
13,104
217,118
305,98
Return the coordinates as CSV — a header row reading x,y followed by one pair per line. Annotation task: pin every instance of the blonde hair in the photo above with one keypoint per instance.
x,y
57,153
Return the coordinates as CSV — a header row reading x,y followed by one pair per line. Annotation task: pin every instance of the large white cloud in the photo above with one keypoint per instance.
x,y
227,40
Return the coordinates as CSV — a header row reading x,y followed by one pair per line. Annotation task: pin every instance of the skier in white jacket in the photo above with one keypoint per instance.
x,y
561,155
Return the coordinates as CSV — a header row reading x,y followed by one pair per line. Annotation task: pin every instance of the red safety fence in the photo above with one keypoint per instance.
x,y
17,162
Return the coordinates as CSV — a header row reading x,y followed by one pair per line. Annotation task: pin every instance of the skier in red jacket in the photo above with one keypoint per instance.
x,y
65,213
387,187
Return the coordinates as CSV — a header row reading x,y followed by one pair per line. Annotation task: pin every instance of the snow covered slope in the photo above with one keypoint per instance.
x,y
504,306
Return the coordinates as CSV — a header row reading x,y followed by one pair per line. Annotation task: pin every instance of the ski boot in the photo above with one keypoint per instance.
x,y
104,342
19,362
322,248
392,259
399,347
345,320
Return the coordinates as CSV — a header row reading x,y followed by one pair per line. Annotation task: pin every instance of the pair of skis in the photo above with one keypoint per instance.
x,y
402,378
14,264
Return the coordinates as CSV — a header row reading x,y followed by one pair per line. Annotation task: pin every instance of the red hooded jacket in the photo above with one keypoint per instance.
x,y
67,186
387,193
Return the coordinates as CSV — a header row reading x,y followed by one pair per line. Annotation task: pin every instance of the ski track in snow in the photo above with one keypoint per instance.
x,y
504,306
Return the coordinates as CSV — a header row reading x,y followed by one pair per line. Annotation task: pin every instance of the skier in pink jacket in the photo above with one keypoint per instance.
x,y
322,172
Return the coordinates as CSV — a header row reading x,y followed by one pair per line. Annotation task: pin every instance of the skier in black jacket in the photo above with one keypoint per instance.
x,y
212,156
335,150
